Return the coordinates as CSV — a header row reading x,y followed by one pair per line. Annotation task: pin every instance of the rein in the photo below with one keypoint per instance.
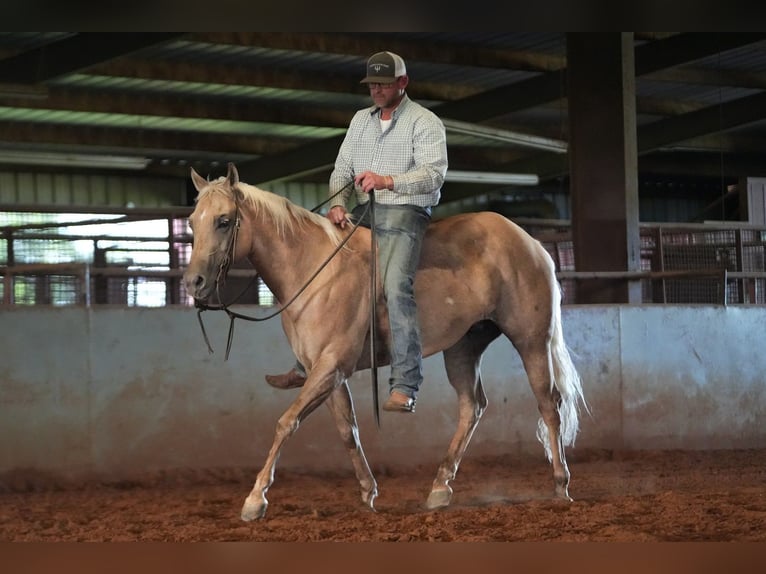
x,y
373,301
223,270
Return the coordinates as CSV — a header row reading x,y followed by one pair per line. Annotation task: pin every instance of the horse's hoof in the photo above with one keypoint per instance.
x,y
563,493
369,499
254,509
439,498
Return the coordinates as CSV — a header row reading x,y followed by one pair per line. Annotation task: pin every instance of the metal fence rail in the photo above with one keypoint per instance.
x,y
138,260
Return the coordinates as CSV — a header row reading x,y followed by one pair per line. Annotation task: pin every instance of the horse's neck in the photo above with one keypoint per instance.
x,y
285,261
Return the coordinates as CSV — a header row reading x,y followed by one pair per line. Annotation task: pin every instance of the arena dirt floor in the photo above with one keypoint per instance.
x,y
631,496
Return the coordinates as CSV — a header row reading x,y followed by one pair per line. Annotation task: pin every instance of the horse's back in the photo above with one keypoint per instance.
x,y
482,236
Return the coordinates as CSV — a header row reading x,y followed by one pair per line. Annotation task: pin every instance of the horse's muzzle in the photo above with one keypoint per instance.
x,y
197,286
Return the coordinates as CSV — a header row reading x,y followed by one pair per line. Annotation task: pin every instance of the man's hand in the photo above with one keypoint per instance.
x,y
369,181
338,216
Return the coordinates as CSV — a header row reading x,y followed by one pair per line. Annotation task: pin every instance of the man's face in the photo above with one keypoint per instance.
x,y
386,95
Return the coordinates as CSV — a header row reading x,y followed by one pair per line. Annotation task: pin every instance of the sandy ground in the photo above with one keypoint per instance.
x,y
631,496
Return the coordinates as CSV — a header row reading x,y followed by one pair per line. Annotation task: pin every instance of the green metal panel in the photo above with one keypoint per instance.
x,y
58,190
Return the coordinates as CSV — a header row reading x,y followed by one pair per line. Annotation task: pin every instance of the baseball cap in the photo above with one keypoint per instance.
x,y
384,67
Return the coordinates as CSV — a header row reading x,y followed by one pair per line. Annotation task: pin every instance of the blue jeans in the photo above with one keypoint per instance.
x,y
399,231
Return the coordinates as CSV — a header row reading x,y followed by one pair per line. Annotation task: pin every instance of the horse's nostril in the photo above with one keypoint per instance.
x,y
194,283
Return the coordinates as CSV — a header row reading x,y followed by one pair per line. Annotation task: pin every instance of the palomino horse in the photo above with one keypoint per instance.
x,y
480,276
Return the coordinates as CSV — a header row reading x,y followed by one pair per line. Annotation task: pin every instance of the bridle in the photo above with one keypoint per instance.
x,y
225,265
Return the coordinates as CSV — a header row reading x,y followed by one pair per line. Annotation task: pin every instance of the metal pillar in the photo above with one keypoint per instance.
x,y
603,163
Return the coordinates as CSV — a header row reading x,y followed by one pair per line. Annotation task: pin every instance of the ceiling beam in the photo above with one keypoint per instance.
x,y
177,106
273,77
303,159
179,146
650,57
201,73
711,119
711,77
523,94
689,47
548,87
703,164
664,133
157,142
75,53
166,104
421,47
284,159
666,106
724,142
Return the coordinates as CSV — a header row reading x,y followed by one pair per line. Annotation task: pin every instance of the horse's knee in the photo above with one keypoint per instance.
x,y
286,427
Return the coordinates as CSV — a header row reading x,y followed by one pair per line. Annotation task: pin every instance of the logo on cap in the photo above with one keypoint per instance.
x,y
384,67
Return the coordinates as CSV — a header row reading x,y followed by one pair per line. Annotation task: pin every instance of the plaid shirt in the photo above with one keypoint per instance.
x,y
413,151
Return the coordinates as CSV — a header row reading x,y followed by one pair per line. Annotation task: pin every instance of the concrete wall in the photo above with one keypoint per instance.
x,y
119,392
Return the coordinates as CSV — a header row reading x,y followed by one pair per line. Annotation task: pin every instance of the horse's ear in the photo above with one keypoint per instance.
x,y
199,182
233,175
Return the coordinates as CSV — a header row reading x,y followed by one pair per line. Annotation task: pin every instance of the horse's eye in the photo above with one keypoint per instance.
x,y
224,223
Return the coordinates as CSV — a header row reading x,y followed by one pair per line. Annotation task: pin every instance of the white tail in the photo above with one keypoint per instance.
x,y
567,381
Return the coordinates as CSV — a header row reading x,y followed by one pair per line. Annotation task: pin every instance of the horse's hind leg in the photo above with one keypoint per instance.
x,y
342,408
538,365
462,363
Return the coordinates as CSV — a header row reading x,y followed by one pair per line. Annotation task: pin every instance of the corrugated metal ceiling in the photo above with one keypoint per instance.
x,y
208,98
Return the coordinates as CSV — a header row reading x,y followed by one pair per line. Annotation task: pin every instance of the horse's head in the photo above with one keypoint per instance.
x,y
215,222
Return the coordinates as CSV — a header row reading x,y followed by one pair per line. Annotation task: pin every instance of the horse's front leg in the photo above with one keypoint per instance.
x,y
342,407
316,390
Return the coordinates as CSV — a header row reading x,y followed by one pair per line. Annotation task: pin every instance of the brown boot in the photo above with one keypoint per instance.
x,y
399,403
289,380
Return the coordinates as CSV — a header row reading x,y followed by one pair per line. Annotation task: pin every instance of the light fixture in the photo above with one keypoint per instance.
x,y
489,177
492,177
73,159
525,140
